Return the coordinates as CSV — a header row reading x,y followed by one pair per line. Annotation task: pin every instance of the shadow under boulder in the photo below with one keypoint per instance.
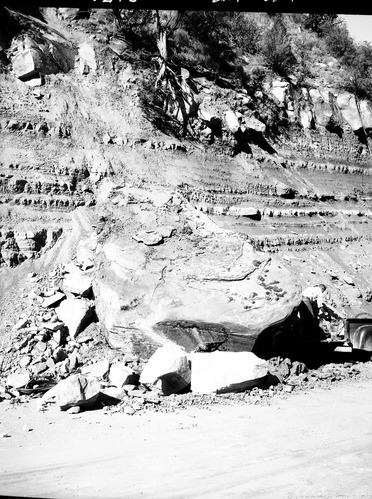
x,y
300,339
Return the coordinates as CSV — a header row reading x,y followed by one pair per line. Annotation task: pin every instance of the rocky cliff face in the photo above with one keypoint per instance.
x,y
198,239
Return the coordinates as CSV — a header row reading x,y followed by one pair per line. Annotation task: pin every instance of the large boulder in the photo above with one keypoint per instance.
x,y
170,366
42,52
211,288
27,63
222,372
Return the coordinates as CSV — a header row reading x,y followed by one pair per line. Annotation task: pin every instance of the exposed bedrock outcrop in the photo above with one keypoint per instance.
x,y
50,203
229,114
236,118
255,214
19,245
62,186
322,107
201,285
233,195
274,243
15,185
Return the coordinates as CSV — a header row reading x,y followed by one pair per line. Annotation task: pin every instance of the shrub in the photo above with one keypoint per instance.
x,y
139,26
340,44
253,75
277,49
246,32
320,24
360,72
189,52
218,38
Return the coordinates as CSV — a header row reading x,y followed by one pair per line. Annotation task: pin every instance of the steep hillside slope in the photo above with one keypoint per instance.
x,y
270,183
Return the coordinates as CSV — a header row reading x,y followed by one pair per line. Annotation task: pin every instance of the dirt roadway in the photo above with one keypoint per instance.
x,y
315,444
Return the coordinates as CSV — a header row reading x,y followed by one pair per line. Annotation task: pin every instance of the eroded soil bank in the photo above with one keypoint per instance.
x,y
314,443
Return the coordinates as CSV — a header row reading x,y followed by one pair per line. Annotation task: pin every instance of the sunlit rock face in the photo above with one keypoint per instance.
x,y
201,284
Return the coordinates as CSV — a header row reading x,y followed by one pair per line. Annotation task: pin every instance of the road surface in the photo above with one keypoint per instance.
x,y
315,445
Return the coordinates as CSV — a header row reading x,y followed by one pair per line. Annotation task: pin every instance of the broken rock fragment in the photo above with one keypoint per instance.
x,y
348,280
232,121
57,337
165,230
73,361
112,393
78,284
39,367
75,313
169,365
222,372
23,321
40,346
53,326
87,59
284,190
73,410
53,300
76,390
121,375
85,252
59,354
98,369
25,361
150,238
18,380
50,364
244,211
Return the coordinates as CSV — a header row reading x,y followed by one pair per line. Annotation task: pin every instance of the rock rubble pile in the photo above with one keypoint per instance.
x,y
55,360
44,339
